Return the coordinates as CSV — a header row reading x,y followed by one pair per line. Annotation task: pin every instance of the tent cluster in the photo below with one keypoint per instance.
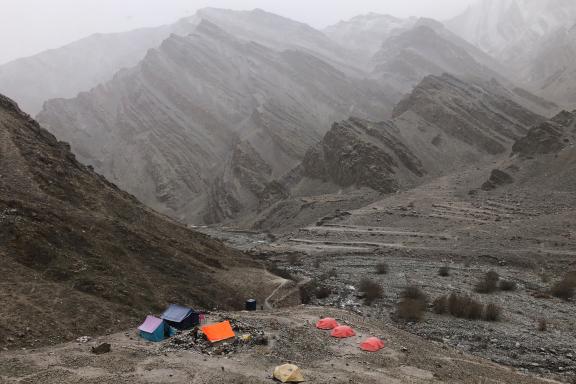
x,y
289,373
179,318
372,344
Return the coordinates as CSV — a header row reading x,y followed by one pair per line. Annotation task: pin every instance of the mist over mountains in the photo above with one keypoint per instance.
x,y
198,119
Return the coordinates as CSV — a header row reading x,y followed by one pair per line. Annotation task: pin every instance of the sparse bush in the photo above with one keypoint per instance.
x,y
507,285
415,293
444,271
563,290
542,325
440,305
382,268
323,292
410,310
293,259
305,297
372,291
464,306
488,283
492,312
412,304
316,263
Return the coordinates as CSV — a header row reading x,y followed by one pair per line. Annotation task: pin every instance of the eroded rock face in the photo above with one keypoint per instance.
x,y
360,153
445,123
548,137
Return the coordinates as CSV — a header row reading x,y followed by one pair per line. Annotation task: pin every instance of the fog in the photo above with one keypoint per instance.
x,y
30,26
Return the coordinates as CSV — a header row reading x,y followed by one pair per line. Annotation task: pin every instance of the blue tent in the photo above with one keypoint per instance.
x,y
181,317
154,329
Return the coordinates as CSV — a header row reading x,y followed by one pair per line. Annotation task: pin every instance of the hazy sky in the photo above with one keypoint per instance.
x,y
31,26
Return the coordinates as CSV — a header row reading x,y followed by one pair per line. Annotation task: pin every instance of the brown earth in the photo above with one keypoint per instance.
x,y
79,256
293,338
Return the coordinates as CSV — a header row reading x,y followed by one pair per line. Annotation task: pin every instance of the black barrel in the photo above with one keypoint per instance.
x,y
251,305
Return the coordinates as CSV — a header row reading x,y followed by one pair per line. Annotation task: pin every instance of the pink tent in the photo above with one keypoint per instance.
x,y
342,332
327,324
372,344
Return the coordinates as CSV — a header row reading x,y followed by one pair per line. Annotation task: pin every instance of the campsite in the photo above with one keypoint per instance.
x,y
293,338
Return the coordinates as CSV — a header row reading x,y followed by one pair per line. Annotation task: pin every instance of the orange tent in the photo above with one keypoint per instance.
x,y
372,344
326,324
218,332
342,332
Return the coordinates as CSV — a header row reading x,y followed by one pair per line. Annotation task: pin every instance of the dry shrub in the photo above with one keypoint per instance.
x,y
440,305
566,288
372,291
507,285
412,304
323,292
410,310
488,283
293,259
444,271
492,312
464,307
382,268
563,290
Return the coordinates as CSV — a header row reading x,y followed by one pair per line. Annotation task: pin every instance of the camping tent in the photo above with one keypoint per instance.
x,y
372,344
181,317
326,324
218,332
342,332
288,373
154,329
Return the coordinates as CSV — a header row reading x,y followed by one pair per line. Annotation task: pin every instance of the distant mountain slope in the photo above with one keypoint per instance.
x,y
79,66
509,29
546,156
430,49
84,64
534,39
444,125
78,256
167,129
427,49
365,34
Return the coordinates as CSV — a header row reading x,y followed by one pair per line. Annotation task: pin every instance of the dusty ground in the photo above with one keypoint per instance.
x,y
293,338
527,235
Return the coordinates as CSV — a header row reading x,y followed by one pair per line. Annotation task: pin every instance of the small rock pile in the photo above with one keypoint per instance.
x,y
247,336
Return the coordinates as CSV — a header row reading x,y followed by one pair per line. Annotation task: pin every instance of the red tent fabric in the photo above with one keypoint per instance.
x,y
372,344
342,332
327,324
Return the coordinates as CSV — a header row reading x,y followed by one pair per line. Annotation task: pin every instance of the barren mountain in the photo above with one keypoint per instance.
x,y
172,129
82,257
533,39
429,49
443,125
510,29
365,34
53,74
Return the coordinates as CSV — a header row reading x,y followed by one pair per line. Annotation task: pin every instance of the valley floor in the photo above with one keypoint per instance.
x,y
524,234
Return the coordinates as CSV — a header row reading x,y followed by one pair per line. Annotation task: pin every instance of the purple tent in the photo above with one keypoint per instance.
x,y
154,329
